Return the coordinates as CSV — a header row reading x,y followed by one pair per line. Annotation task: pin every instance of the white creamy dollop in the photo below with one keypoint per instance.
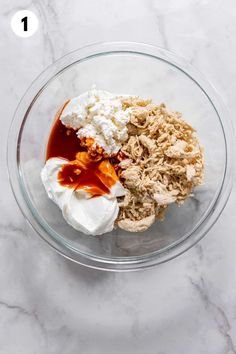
x,y
99,115
92,216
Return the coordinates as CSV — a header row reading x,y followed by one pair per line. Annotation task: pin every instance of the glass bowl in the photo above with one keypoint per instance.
x,y
129,68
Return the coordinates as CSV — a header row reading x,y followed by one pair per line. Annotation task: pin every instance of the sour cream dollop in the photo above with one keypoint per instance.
x,y
88,214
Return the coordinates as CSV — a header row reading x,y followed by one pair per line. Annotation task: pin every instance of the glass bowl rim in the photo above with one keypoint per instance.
x,y
13,148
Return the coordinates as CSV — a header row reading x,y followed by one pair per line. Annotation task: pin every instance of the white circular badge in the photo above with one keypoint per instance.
x,y
24,23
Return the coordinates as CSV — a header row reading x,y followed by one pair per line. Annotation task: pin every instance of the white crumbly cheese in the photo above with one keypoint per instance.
x,y
99,115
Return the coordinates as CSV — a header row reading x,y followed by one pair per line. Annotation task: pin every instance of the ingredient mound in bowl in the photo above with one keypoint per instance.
x,y
164,163
119,161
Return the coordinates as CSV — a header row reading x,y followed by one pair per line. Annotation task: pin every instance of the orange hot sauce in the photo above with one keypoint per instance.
x,y
82,171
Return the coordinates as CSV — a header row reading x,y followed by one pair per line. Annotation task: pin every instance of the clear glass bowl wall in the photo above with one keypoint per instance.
x,y
128,69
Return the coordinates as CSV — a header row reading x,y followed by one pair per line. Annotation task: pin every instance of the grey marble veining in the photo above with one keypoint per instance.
x,y
50,305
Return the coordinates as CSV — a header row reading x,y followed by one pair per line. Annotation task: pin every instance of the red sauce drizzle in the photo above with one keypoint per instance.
x,y
62,141
82,171
71,176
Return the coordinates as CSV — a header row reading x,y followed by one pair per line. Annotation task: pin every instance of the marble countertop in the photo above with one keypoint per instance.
x,y
48,304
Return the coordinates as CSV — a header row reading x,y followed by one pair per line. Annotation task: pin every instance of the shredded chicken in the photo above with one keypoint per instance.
x,y
164,163
137,226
